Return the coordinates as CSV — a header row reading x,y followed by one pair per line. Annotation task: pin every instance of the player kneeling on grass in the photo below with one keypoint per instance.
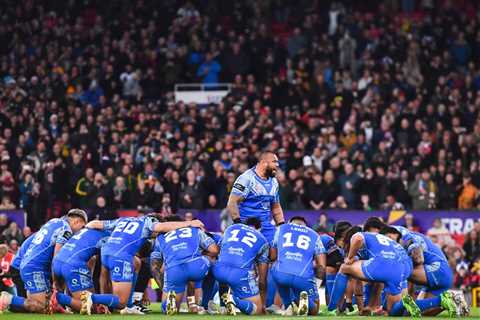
x,y
432,271
382,260
181,252
72,266
296,248
35,267
243,249
119,259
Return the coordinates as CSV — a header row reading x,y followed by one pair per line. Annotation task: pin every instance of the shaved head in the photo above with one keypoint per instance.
x,y
266,156
267,166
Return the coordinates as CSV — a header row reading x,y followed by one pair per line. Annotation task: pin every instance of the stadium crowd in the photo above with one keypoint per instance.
x,y
367,104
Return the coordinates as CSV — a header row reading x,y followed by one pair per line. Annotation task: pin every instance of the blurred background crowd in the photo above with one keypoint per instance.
x,y
368,104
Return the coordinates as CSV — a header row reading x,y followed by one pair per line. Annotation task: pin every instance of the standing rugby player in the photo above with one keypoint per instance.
x,y
255,195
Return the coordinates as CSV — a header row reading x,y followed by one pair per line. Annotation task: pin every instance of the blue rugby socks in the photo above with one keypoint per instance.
x,y
109,300
339,287
330,280
245,306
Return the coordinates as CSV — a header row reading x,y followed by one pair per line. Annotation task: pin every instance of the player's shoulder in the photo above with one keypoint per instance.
x,y
326,237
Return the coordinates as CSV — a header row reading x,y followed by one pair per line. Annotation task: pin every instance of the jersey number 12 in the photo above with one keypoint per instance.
x,y
249,238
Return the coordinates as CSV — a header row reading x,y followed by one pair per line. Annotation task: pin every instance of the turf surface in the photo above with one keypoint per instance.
x,y
156,315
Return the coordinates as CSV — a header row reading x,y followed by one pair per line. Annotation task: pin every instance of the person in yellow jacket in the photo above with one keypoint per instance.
x,y
84,188
468,195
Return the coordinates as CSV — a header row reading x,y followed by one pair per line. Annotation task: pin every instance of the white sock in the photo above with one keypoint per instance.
x,y
137,296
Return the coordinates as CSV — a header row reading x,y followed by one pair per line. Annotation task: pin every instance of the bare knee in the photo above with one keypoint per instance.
x,y
137,263
34,305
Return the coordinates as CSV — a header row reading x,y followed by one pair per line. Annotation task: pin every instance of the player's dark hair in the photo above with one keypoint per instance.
x,y
340,228
254,222
264,154
391,230
373,223
349,234
173,218
298,218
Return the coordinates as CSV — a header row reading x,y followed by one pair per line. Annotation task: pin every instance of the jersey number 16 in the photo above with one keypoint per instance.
x,y
303,242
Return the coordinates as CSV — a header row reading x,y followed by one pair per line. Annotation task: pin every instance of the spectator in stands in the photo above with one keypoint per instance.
x,y
85,188
468,194
6,258
348,182
314,192
410,223
439,233
209,70
471,246
423,192
323,225
13,232
448,193
6,203
3,222
188,216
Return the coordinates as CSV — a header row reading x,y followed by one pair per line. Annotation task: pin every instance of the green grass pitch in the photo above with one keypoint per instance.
x,y
475,314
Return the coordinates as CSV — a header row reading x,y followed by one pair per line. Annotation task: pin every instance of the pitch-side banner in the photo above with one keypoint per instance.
x,y
457,222
15,215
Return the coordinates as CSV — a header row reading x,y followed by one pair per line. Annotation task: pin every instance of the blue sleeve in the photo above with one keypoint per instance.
x,y
201,70
319,248
412,247
216,66
156,252
149,224
205,241
276,198
241,186
109,225
63,234
262,256
275,238
102,242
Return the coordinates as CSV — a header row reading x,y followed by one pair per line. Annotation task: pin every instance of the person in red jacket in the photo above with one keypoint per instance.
x,y
6,258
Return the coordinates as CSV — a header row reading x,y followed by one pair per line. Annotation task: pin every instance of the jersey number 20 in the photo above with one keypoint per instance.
x,y
127,227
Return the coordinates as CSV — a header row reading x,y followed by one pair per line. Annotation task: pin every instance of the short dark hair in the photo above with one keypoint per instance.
x,y
349,234
254,222
390,229
78,213
298,218
340,228
264,154
173,217
373,222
